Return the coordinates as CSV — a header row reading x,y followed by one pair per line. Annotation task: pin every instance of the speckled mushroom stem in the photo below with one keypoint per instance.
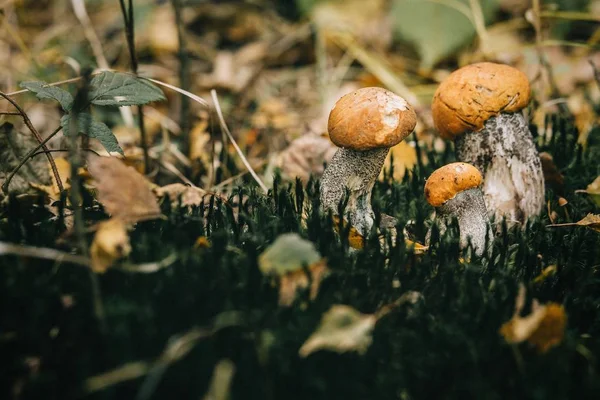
x,y
469,209
505,154
357,171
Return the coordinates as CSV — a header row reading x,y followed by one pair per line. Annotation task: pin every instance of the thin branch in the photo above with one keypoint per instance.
x,y
596,72
9,113
224,127
43,253
184,77
128,18
29,154
48,84
38,138
64,151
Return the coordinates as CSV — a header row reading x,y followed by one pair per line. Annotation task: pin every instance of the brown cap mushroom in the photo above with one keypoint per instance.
x,y
364,124
454,191
473,94
446,182
370,118
479,107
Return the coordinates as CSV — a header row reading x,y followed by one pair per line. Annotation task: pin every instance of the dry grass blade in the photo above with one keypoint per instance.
x,y
179,90
43,253
213,93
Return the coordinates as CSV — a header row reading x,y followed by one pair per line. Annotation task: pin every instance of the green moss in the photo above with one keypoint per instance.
x,y
445,346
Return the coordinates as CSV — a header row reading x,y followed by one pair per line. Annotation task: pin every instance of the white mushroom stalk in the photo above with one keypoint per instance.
x,y
454,191
479,107
364,124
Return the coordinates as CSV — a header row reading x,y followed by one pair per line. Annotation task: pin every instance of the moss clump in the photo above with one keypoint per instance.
x,y
447,345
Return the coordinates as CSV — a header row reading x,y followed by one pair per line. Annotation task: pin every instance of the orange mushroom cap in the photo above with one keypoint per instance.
x,y
473,94
370,118
449,180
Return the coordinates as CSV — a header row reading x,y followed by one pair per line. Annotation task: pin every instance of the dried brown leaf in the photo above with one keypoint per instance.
x,y
124,192
190,196
591,221
111,242
300,279
305,156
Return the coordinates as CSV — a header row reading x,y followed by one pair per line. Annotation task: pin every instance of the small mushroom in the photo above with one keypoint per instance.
x,y
364,124
454,191
479,107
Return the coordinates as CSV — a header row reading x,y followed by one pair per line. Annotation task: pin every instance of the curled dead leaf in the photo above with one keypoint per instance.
x,y
190,196
593,189
342,329
124,192
110,243
290,283
543,328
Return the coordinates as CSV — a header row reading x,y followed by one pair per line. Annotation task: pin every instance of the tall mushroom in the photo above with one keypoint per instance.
x,y
454,191
364,124
479,107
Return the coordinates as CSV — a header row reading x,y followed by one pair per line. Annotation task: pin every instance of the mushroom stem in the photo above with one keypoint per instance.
x,y
469,209
357,171
506,155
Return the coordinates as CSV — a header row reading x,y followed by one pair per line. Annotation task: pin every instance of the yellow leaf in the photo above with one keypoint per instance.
x,y
342,329
202,243
355,239
299,279
405,158
593,189
545,274
591,221
543,328
111,242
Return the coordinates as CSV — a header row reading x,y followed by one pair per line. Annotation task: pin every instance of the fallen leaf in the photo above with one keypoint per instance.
x,y
290,283
591,221
13,147
64,172
110,243
306,156
202,243
404,158
545,274
190,196
286,259
355,239
124,192
543,328
433,39
342,329
593,189
288,253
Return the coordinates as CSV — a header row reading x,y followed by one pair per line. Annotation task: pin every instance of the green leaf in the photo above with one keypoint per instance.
x,y
93,129
288,253
119,89
437,30
43,91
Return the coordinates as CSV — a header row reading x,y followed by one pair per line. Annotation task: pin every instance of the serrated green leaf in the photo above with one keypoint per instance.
x,y
93,129
43,91
436,29
118,89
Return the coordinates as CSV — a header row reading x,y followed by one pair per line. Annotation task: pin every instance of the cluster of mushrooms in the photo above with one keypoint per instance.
x,y
479,107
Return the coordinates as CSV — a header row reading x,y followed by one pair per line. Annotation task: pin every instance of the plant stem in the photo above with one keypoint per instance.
x,y
130,34
183,70
38,138
76,162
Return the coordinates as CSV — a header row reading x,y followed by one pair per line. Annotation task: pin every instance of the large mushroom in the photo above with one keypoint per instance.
x,y
454,191
479,107
364,124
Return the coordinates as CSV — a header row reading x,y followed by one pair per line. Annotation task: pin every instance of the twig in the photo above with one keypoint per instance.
x,y
224,127
27,156
48,84
183,67
9,113
81,98
43,253
96,45
596,72
130,34
64,151
38,138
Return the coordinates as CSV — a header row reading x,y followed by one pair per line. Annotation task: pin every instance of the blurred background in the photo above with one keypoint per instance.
x,y
279,66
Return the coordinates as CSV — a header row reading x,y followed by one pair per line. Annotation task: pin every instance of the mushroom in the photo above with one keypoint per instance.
x,y
454,191
479,107
364,124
